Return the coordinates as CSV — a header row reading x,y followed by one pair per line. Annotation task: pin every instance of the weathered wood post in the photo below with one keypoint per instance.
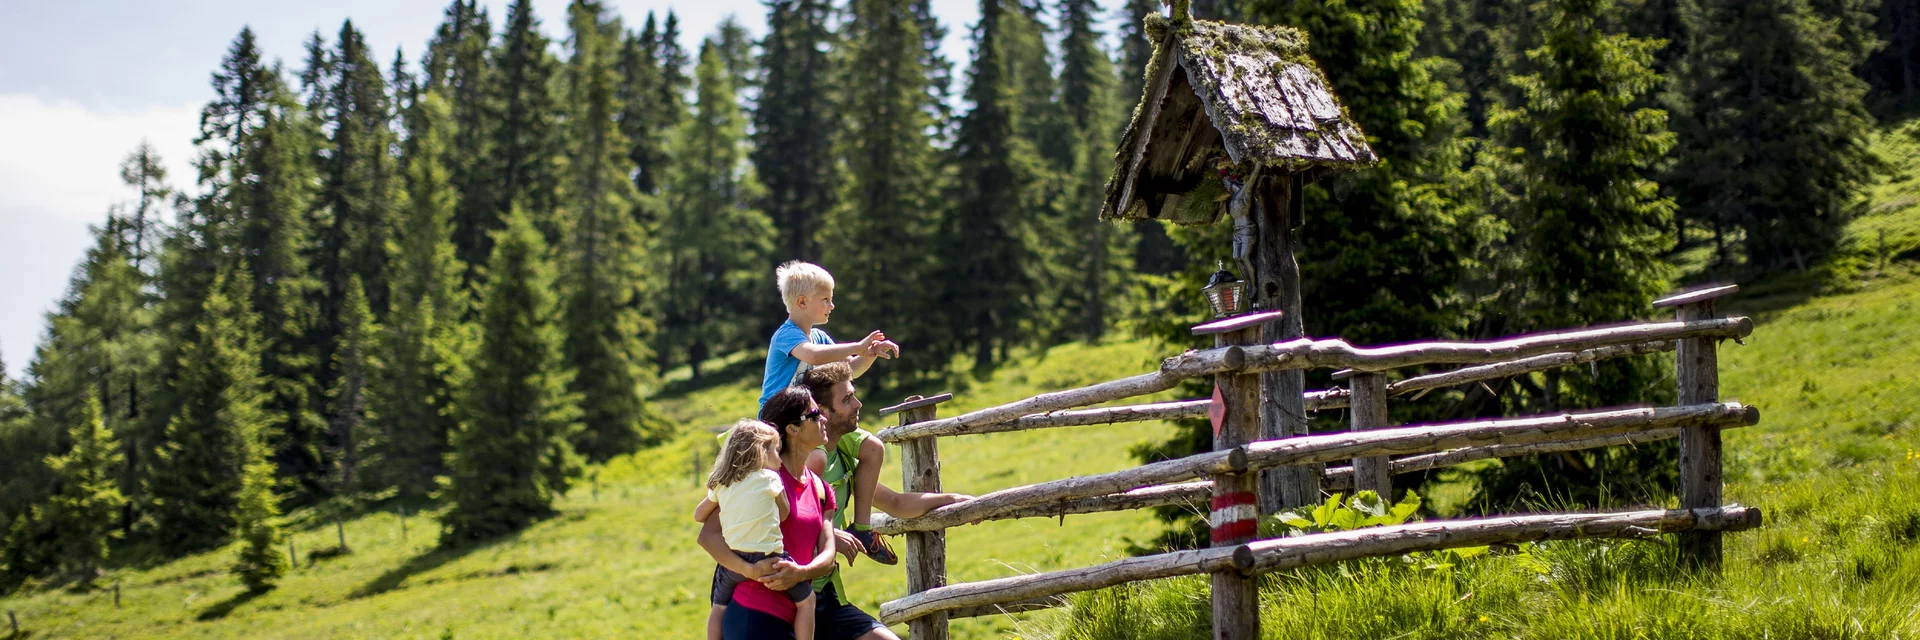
x,y
926,551
1369,407
1697,368
1283,393
1235,514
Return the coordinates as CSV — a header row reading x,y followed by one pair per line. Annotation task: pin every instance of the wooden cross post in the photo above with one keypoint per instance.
x,y
1235,514
1697,367
926,550
1276,286
1369,408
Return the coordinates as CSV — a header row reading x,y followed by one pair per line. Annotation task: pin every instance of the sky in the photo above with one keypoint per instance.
x,y
82,82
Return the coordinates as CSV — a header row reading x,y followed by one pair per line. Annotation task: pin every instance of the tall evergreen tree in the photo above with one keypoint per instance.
x,y
1095,256
986,249
1894,70
1367,227
795,125
358,179
257,524
1587,231
887,209
606,334
712,241
457,67
526,140
217,432
511,456
642,111
354,362
1773,140
425,341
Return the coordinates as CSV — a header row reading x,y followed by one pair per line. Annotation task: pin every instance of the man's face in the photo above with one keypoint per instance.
x,y
842,409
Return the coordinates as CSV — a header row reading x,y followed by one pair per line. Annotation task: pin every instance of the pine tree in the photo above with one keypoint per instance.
x,y
796,123
425,340
1587,230
875,239
456,66
986,251
1773,137
272,214
1094,256
216,435
82,513
354,364
712,240
511,456
1366,227
526,136
606,333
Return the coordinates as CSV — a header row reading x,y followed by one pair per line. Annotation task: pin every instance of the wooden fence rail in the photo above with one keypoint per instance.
x,y
1288,553
1035,499
1538,352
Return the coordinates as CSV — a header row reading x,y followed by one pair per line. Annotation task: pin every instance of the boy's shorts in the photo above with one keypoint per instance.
x,y
724,579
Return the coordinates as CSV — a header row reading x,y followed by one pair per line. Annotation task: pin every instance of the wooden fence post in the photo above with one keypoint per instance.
x,y
926,551
1236,496
1697,368
1370,412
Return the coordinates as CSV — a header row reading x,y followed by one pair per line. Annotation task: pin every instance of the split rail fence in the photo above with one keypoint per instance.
x,y
1225,477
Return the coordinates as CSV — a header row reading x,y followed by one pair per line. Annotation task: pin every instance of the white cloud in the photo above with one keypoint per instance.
x,y
59,156
59,171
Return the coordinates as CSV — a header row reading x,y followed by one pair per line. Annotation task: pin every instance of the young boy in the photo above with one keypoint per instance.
x,y
799,344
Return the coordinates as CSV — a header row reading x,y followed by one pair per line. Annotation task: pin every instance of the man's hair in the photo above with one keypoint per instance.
x,y
822,379
799,278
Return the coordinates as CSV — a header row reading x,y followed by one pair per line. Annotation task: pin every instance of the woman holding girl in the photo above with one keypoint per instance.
x,y
761,607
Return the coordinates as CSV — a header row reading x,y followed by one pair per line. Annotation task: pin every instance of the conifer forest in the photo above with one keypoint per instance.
x,y
455,282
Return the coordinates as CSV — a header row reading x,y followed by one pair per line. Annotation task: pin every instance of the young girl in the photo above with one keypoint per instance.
x,y
746,488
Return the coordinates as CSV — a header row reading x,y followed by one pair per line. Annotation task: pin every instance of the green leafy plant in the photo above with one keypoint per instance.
x,y
1364,509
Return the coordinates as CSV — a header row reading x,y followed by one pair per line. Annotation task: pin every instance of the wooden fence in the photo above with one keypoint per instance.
x,y
1225,476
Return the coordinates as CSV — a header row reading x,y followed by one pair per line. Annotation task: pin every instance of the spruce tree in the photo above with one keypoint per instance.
x,y
354,364
986,252
604,276
258,562
1366,227
526,141
1773,139
795,125
1094,256
357,171
217,432
1588,231
83,512
652,108
457,67
712,241
875,238
425,341
511,455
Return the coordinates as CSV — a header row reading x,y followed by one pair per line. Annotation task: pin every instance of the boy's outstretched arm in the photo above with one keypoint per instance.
x,y
819,354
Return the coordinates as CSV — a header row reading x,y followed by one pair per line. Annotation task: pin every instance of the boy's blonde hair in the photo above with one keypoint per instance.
x,y
799,278
740,456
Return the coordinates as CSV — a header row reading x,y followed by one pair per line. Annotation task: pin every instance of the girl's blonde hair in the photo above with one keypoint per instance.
x,y
741,455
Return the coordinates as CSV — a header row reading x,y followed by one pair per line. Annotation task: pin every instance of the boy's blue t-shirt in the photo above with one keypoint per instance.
x,y
782,367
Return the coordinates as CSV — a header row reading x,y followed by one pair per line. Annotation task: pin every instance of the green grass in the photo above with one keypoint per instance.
x,y
622,563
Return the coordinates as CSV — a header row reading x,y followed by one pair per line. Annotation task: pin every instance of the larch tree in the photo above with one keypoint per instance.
x,y
512,454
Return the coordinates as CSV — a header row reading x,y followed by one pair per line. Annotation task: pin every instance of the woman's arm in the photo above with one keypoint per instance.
x,y
787,574
715,545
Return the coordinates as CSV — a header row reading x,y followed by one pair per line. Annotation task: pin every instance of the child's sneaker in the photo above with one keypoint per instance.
x,y
876,546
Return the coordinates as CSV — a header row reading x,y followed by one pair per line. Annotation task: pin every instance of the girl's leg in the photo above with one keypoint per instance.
x,y
803,620
713,621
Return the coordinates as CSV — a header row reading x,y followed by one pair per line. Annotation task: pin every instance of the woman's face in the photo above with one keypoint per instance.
x,y
812,430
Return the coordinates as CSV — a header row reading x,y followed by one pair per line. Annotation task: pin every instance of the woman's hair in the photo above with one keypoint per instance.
x,y
740,456
789,406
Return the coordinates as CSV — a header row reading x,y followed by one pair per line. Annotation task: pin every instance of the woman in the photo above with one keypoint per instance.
x,y
760,609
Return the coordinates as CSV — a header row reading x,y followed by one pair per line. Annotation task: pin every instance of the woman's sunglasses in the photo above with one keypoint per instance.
x,y
811,415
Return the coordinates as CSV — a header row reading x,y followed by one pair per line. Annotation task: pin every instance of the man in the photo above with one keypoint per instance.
x,y
851,463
